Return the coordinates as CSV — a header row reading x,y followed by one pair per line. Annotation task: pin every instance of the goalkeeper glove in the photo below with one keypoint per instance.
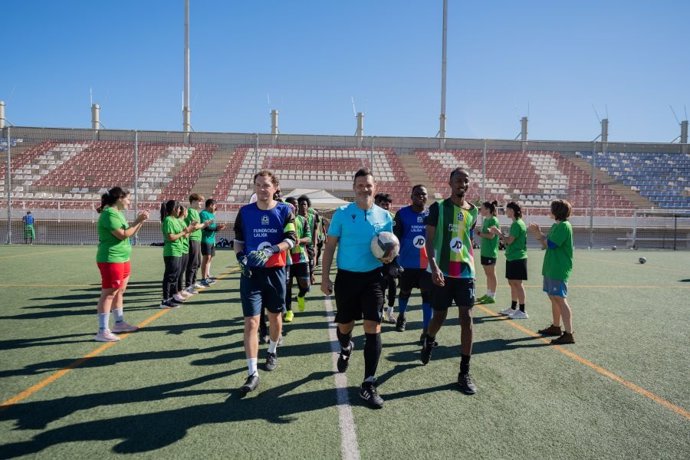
x,y
260,257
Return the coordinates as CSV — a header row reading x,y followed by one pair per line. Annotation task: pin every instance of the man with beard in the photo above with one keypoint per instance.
x,y
449,228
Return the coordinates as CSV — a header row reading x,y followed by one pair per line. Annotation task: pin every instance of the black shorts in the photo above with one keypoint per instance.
x,y
488,260
516,269
358,295
208,249
300,270
460,290
412,278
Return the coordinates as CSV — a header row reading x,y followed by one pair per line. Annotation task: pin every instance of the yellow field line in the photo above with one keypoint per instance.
x,y
600,370
74,364
65,370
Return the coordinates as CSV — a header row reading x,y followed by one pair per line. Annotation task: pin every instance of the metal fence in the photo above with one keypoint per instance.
x,y
59,174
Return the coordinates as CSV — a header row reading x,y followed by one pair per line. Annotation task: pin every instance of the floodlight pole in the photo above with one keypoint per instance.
x,y
591,192
8,182
484,172
136,181
256,154
186,111
444,46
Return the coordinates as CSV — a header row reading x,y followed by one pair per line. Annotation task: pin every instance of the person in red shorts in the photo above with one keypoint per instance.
x,y
112,257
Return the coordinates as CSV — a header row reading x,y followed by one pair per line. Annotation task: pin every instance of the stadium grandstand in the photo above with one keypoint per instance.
x,y
60,174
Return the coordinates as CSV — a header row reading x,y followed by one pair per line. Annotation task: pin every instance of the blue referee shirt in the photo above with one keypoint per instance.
x,y
355,228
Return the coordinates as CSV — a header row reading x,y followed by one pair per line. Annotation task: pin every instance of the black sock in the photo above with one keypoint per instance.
x,y
372,353
522,307
513,304
344,339
464,364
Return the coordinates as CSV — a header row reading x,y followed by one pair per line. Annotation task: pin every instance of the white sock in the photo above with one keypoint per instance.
x,y
252,367
272,346
119,314
103,320
490,294
389,310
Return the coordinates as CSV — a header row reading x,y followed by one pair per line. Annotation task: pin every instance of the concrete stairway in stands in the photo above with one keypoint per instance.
x,y
212,174
417,174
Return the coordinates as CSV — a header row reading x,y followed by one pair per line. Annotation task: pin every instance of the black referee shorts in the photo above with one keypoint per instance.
x,y
358,295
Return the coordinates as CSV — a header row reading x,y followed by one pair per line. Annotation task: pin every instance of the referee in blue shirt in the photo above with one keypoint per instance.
x,y
359,281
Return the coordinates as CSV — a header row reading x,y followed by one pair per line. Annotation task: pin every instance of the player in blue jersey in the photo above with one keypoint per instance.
x,y
410,229
264,234
359,281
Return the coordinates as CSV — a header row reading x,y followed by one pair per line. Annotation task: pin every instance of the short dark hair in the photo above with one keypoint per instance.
x,y
457,170
418,186
517,210
362,172
304,198
209,202
561,210
383,198
292,200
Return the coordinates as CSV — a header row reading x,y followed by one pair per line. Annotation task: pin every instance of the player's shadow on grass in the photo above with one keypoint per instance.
x,y
488,319
284,351
147,432
494,345
156,358
39,414
44,341
180,329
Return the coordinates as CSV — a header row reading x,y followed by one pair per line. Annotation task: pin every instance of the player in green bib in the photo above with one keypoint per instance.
x,y
558,265
208,240
449,228
516,260
194,259
489,250
112,258
174,231
298,259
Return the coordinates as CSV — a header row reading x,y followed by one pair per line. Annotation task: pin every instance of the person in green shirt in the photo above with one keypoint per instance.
x,y
208,240
173,232
182,292
489,250
112,258
516,260
557,267
194,260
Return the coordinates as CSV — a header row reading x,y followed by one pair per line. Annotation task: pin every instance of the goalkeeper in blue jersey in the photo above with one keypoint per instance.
x,y
264,234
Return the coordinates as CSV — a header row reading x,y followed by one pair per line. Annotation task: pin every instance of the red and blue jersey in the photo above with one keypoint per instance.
x,y
256,229
409,227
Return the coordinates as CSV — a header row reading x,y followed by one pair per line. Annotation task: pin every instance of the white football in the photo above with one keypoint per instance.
x,y
385,243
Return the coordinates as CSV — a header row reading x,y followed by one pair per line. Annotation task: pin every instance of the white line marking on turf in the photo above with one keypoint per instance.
x,y
348,443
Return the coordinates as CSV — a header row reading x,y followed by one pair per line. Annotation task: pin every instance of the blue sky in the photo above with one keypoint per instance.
x,y
308,59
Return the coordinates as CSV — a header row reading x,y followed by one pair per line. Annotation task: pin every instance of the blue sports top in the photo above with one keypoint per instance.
x,y
410,229
354,228
257,229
